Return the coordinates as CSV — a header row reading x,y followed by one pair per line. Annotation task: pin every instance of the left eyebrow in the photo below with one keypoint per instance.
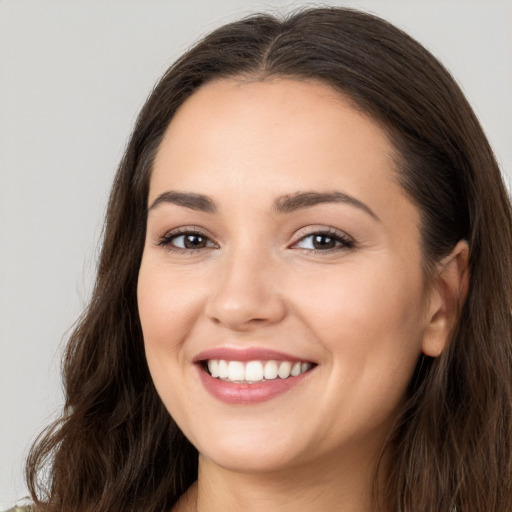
x,y
301,200
190,200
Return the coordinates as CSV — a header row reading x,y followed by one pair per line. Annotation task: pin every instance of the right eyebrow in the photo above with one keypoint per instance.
x,y
301,200
197,202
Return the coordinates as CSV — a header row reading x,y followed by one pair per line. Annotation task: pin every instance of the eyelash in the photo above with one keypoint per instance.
x,y
342,242
168,239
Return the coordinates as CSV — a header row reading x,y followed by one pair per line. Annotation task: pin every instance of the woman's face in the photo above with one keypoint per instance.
x,y
279,241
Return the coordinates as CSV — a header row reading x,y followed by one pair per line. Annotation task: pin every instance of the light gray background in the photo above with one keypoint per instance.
x,y
73,75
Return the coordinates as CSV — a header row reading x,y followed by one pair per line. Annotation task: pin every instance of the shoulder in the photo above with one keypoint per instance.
x,y
21,509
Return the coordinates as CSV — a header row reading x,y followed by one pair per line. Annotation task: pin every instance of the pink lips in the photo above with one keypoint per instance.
x,y
246,354
243,393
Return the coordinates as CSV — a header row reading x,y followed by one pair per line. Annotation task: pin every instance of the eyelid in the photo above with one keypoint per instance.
x,y
165,239
348,242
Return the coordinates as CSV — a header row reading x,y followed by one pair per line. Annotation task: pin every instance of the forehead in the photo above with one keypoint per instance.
x,y
289,113
273,136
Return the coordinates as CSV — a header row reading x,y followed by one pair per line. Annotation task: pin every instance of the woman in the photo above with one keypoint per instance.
x,y
304,295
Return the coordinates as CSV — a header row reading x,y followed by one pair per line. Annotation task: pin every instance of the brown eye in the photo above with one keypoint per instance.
x,y
324,242
194,241
186,241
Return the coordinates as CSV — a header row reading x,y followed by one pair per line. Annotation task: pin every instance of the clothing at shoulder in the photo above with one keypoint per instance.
x,y
21,509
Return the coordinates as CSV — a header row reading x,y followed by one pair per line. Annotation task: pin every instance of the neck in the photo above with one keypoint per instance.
x,y
337,485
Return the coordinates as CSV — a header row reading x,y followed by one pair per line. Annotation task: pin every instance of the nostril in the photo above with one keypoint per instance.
x,y
246,311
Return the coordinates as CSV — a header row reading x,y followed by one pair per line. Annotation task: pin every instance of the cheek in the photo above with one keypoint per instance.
x,y
168,306
369,315
168,311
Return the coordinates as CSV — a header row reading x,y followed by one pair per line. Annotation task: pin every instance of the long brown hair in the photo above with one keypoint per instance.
x,y
117,448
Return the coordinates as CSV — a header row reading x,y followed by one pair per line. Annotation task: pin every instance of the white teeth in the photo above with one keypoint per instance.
x,y
284,369
213,367
270,371
223,369
295,370
236,370
255,371
304,367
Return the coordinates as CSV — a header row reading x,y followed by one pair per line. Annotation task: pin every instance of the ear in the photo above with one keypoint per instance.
x,y
448,294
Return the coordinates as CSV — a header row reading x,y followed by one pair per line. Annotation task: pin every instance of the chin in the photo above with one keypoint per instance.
x,y
252,460
255,453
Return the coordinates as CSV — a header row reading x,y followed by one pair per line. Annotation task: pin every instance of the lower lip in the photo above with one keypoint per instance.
x,y
233,393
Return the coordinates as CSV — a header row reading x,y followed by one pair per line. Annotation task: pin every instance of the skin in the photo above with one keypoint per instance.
x,y
360,311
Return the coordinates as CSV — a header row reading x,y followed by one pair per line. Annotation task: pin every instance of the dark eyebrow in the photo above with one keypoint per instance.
x,y
189,200
300,200
284,204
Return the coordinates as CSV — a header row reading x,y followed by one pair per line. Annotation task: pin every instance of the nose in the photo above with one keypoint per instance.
x,y
246,294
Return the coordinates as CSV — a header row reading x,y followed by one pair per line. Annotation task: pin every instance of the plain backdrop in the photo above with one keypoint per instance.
x,y
73,75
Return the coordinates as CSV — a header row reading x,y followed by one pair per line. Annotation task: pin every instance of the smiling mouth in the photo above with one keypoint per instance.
x,y
254,372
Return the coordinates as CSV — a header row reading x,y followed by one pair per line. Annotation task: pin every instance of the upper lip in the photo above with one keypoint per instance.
x,y
246,354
